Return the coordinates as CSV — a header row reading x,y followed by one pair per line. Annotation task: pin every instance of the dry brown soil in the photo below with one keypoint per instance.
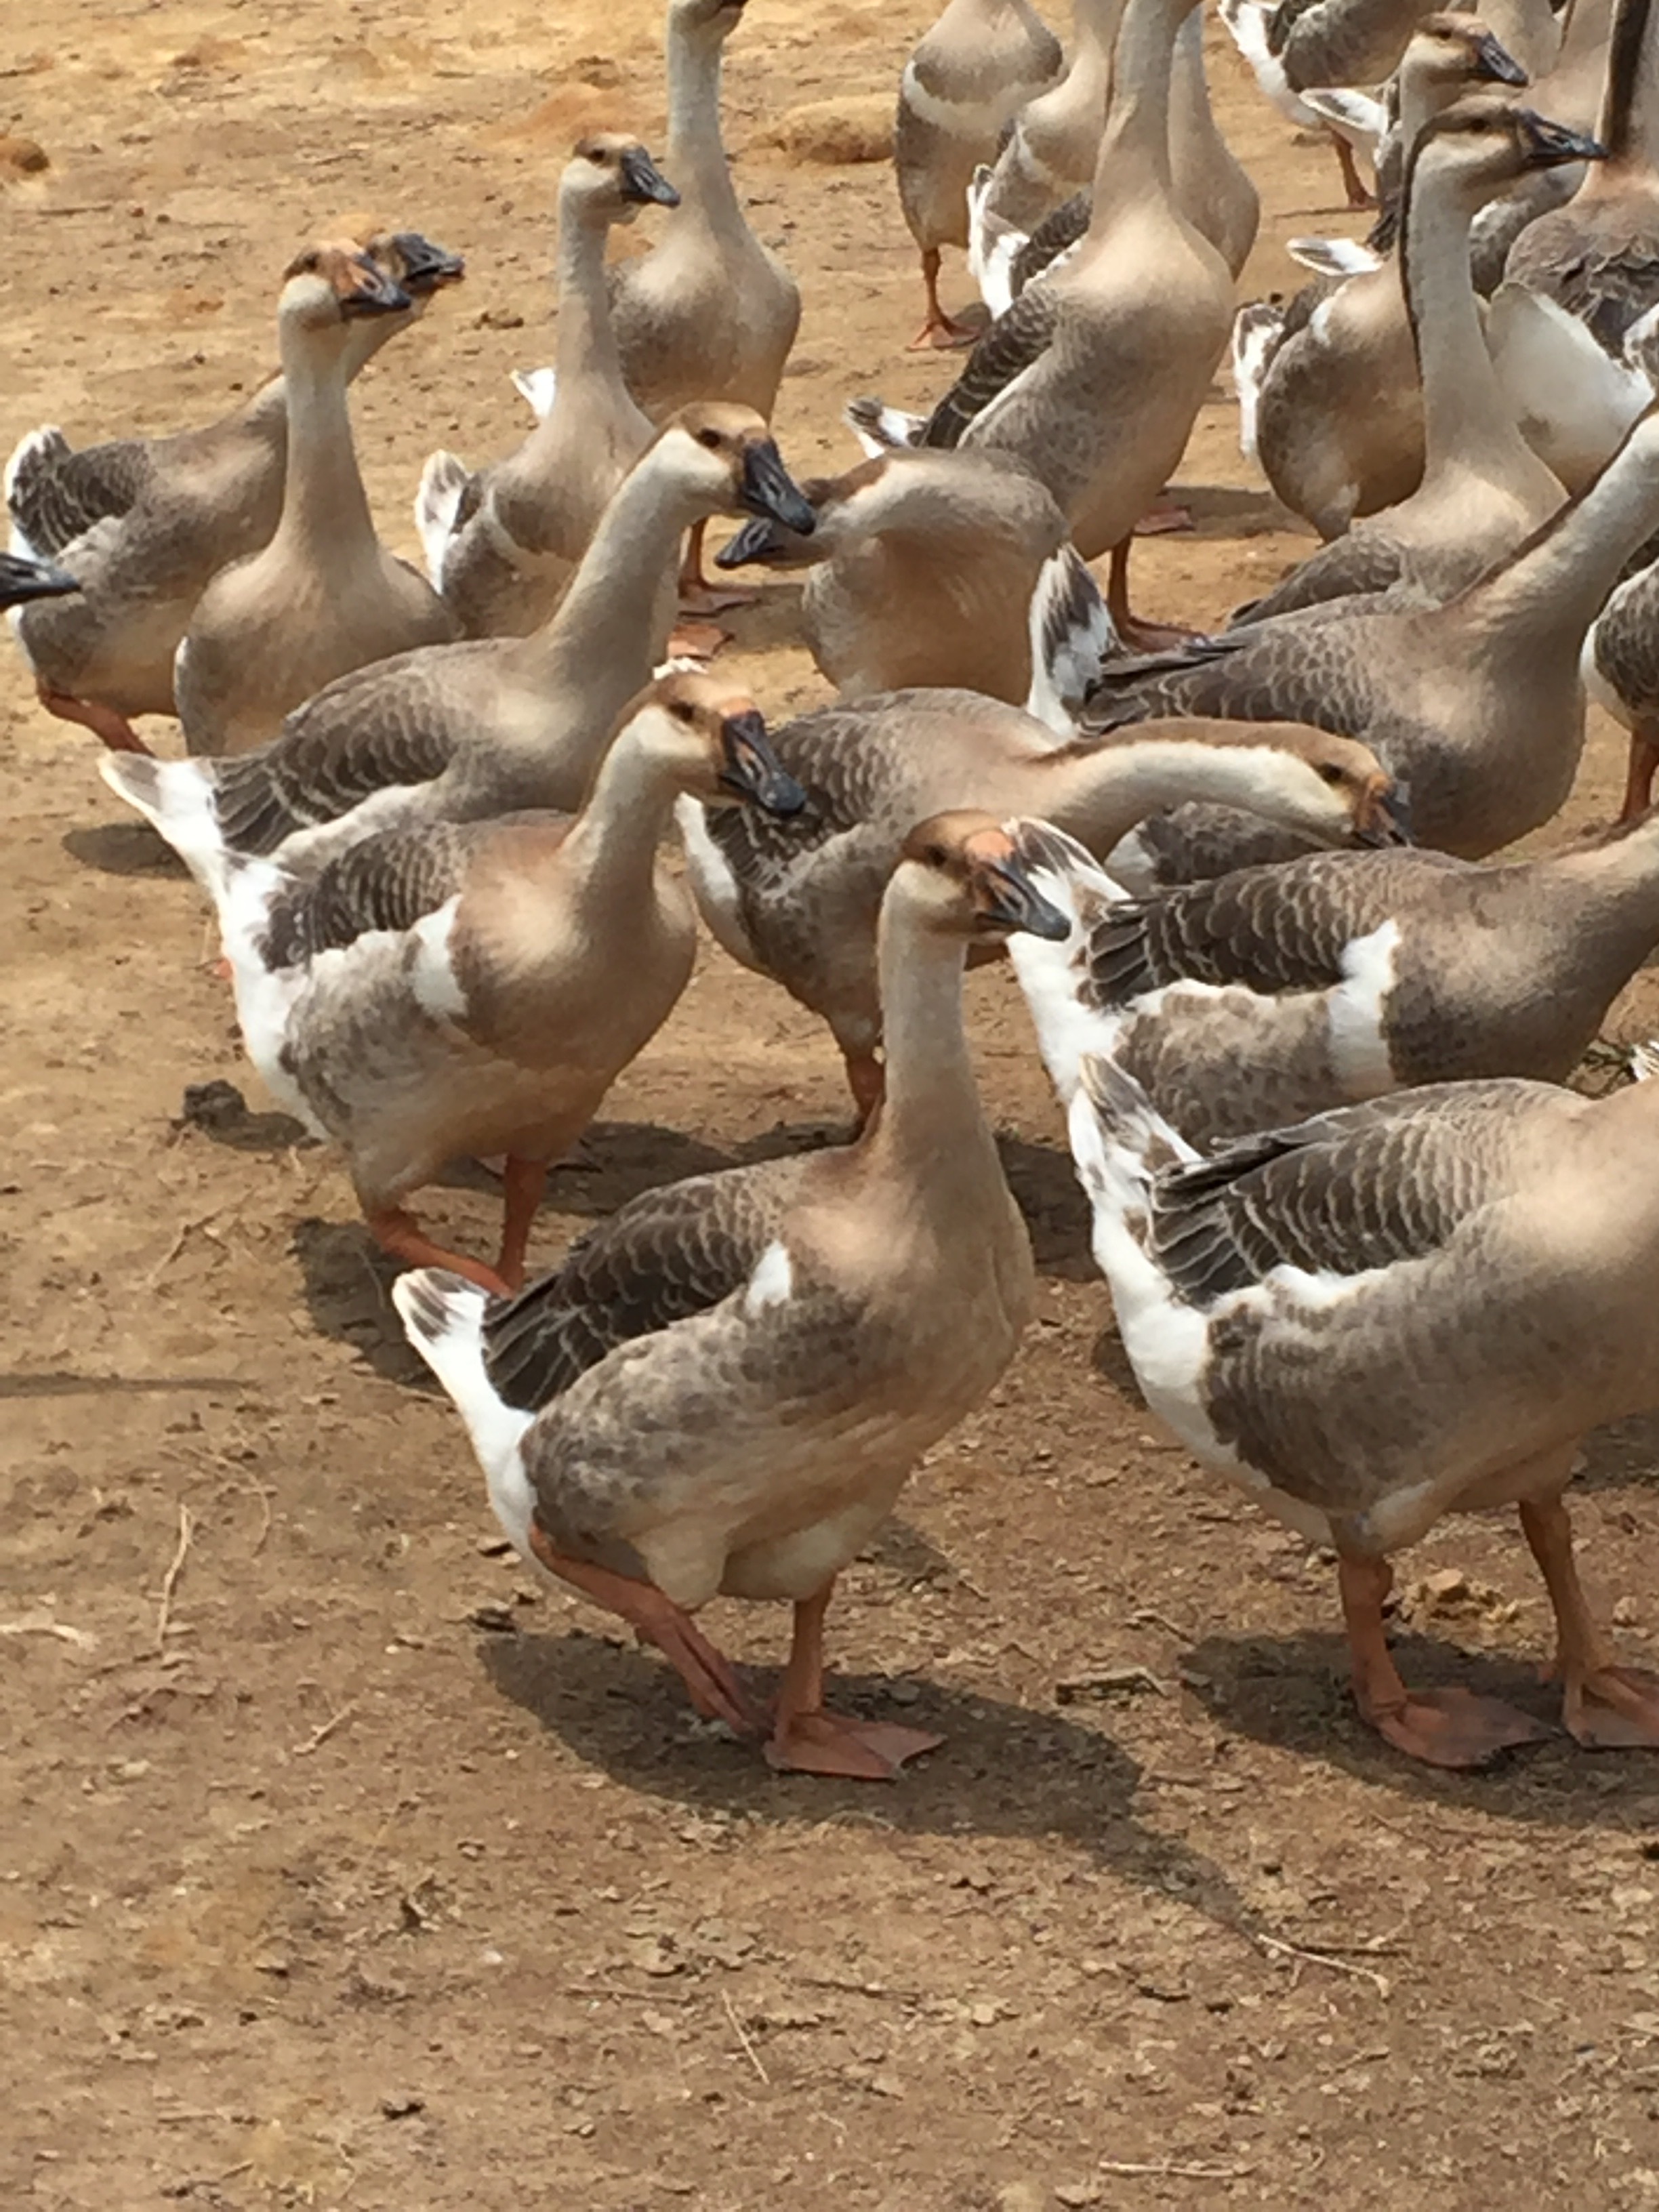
x,y
339,1868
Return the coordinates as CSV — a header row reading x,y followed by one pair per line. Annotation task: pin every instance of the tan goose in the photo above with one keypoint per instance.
x,y
801,906
467,990
1621,669
1572,90
1581,286
1278,991
725,1384
1476,706
966,80
942,569
1484,488
710,313
461,733
1210,185
1392,1313
324,596
1095,377
502,544
1051,151
146,523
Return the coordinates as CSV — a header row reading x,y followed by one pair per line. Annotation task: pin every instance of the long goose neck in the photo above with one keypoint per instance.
x,y
1094,791
1630,109
1467,421
324,503
931,1128
696,158
612,846
1135,154
1554,587
586,346
608,619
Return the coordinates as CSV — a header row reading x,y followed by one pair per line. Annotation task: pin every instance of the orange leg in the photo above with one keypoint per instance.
x,y
710,1678
117,732
941,331
1140,636
401,1235
1442,1728
1164,518
697,595
523,1183
1359,195
866,1078
807,1740
696,640
1639,779
1605,1706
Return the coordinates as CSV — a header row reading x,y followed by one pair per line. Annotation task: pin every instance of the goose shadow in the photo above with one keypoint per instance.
x,y
1235,511
1004,1769
122,849
1624,1455
1057,1213
1292,1692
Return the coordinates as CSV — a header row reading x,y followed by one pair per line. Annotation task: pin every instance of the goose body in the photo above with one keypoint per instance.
x,y
725,1384
323,596
460,733
504,543
966,80
1275,992
1051,151
145,524
934,568
801,906
1388,1314
476,988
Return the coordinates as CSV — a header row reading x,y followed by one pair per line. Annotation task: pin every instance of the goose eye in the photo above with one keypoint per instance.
x,y
709,438
683,711
1330,773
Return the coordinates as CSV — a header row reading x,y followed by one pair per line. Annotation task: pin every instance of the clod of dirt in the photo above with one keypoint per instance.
x,y
837,132
402,2107
216,1105
1448,1592
23,157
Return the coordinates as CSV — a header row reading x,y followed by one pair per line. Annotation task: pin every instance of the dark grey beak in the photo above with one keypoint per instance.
x,y
768,488
761,542
427,267
1495,63
1551,145
22,579
1017,904
1390,822
377,294
752,770
642,180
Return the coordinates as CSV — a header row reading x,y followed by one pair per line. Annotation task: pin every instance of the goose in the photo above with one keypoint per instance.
x,y
22,579
461,733
1095,377
1581,286
1274,993
725,1384
1391,1313
1572,90
710,313
1476,705
1329,402
966,80
503,544
1208,182
801,908
1484,488
461,990
145,524
324,596
1620,668
942,569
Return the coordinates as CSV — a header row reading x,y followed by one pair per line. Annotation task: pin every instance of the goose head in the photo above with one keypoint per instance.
x,y
331,285
706,21
610,177
414,262
843,505
1483,143
961,876
22,579
1330,789
725,459
1451,52
709,737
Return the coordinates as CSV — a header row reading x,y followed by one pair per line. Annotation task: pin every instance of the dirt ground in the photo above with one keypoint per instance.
x,y
339,1868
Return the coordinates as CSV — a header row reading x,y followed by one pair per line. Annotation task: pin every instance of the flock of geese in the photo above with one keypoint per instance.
x,y
1369,1257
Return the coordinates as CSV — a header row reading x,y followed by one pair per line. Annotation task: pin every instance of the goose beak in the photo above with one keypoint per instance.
x,y
22,580
1496,63
1384,819
374,294
1013,902
759,541
644,182
751,770
1550,145
427,267
768,488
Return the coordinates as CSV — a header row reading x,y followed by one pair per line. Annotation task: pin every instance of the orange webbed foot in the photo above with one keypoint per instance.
x,y
823,1742
1454,1728
1613,1709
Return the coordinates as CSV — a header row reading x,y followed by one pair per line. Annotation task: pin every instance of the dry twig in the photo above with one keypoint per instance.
x,y
1171,2169
742,2034
319,1735
1278,1947
42,1624
170,1580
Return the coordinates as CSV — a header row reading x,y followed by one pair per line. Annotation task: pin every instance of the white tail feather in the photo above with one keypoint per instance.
x,y
1333,256
1256,329
536,387
880,429
437,503
1352,115
443,1317
175,797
